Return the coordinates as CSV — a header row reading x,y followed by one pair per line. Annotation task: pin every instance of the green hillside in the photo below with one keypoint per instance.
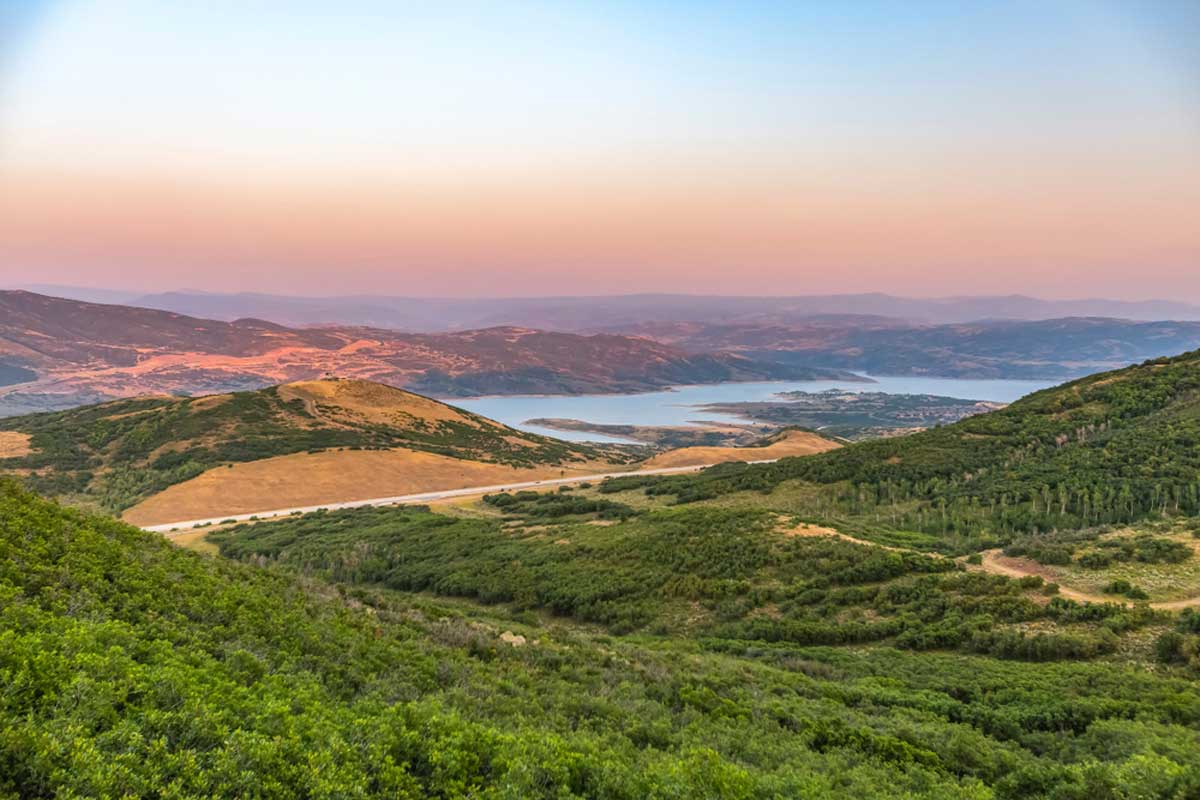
x,y
114,454
1111,448
130,668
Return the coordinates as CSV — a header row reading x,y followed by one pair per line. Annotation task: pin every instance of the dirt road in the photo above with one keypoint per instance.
x,y
992,563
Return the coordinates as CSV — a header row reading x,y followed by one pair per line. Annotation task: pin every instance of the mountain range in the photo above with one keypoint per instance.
x,y
581,314
59,353
1052,349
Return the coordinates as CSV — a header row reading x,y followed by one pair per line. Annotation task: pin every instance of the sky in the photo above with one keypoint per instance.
x,y
1047,147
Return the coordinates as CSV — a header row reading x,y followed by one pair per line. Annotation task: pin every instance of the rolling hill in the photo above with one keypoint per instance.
x,y
326,439
57,353
783,444
1111,448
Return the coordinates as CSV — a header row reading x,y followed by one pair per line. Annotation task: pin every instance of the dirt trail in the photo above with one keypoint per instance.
x,y
806,529
1178,605
992,563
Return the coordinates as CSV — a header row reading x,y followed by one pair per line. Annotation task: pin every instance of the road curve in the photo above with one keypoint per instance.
x,y
425,497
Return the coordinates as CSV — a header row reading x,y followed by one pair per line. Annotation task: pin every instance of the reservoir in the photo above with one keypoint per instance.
x,y
679,406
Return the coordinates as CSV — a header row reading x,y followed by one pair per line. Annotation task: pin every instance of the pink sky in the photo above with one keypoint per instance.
x,y
737,156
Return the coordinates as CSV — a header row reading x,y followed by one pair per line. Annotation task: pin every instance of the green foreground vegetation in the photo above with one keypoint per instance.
x,y
363,654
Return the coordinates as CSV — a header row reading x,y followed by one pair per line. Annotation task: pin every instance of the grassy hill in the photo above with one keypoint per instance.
x,y
1108,449
778,666
115,454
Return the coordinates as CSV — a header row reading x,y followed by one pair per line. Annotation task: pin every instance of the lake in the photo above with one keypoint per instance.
x,y
678,406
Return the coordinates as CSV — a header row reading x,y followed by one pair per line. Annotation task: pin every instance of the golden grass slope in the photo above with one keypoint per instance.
x,y
788,443
117,455
14,444
331,476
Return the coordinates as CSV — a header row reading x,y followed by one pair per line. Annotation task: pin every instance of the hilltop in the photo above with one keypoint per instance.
x,y
311,434
782,444
57,353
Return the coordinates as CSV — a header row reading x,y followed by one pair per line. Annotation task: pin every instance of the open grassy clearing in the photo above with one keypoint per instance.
x,y
14,444
195,540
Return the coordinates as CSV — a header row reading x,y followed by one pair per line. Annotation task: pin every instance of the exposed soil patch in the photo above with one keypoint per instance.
x,y
804,529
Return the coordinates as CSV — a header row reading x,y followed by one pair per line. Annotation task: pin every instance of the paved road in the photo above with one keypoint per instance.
x,y
425,497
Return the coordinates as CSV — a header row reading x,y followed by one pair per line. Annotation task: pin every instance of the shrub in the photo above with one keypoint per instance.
x,y
1094,559
1167,647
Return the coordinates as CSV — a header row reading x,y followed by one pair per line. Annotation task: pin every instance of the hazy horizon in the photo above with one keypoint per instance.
x,y
50,289
526,149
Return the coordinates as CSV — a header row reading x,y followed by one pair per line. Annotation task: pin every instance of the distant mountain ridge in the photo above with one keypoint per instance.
x,y
607,312
87,352
57,353
1035,350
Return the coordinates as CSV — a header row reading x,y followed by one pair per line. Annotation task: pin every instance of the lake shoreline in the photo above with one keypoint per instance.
x,y
683,405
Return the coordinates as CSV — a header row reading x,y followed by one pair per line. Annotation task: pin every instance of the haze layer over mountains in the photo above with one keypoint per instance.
x,y
593,313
